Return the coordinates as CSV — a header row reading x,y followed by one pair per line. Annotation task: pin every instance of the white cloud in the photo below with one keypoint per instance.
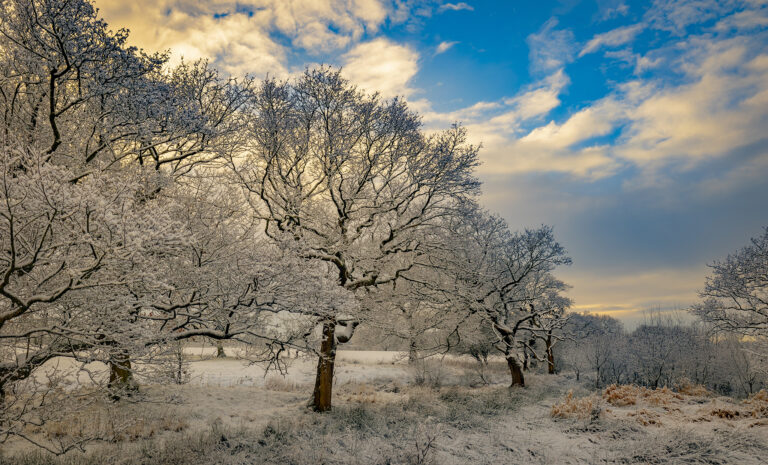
x,y
382,65
618,36
444,47
593,121
719,105
609,9
507,114
677,15
550,48
455,7
722,107
744,20
722,103
539,100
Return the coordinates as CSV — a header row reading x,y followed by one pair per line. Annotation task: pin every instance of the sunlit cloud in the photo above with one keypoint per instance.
x,y
443,47
618,36
248,36
382,66
630,295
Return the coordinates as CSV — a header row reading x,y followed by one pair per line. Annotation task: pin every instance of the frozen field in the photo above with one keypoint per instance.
x,y
388,412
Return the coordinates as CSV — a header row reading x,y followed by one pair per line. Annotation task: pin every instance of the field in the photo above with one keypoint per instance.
x,y
387,412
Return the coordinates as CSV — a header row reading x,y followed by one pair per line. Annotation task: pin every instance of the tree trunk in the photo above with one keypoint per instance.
x,y
525,358
220,350
550,355
412,353
514,369
321,401
121,375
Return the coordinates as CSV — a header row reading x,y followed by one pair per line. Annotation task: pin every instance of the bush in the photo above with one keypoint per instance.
x,y
427,372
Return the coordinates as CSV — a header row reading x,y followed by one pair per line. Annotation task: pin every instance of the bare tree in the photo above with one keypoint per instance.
x,y
735,296
595,343
507,279
353,179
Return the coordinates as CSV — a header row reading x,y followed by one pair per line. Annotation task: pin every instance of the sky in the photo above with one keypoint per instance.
x,y
638,129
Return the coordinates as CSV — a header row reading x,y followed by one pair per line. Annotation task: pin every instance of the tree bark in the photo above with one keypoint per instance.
x,y
321,401
412,353
525,358
517,373
220,350
550,355
121,375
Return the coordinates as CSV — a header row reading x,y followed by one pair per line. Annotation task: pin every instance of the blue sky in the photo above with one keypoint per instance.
x,y
638,129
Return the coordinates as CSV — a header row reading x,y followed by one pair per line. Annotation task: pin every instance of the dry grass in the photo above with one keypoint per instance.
x,y
755,407
111,424
758,404
428,372
622,395
360,393
280,384
646,417
688,388
725,413
575,407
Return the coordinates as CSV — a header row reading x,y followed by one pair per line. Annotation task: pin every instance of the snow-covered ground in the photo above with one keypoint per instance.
x,y
236,370
382,417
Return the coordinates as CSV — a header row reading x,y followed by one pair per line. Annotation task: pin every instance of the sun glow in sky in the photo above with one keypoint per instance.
x,y
639,129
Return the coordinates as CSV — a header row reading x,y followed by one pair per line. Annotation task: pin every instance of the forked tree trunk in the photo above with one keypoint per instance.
x,y
525,358
517,373
120,375
220,350
550,355
321,401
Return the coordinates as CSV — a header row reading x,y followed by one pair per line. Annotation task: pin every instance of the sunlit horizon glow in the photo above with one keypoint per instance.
x,y
637,129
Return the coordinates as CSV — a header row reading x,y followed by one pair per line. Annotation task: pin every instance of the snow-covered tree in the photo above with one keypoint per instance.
x,y
594,343
63,244
93,134
506,277
353,179
74,90
735,296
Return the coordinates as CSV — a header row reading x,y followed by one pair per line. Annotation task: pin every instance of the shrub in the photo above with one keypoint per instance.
x,y
575,407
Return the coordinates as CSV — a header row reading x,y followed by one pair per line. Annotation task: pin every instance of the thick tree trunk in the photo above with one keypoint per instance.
x,y
525,359
121,376
550,355
517,373
321,401
220,350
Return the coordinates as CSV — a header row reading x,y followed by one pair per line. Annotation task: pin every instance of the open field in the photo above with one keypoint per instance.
x,y
388,412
